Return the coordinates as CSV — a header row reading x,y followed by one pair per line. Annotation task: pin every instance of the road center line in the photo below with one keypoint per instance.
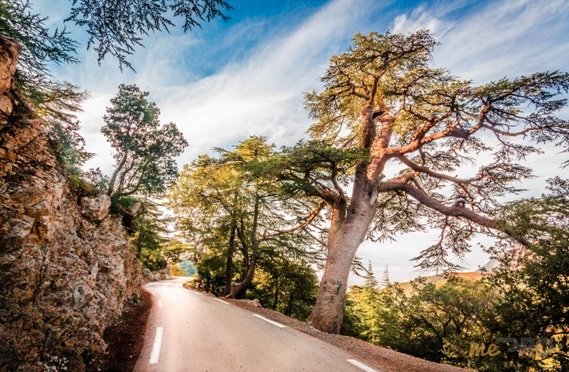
x,y
155,354
270,321
225,302
361,366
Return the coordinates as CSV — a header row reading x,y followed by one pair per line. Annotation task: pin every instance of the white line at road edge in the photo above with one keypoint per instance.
x,y
270,321
155,354
361,365
227,303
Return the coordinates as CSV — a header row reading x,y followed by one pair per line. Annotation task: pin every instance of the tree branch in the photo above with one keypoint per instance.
x,y
428,201
307,221
418,168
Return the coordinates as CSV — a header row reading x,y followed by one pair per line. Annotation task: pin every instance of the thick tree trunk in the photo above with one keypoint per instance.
x,y
288,310
328,311
112,181
229,261
276,297
238,289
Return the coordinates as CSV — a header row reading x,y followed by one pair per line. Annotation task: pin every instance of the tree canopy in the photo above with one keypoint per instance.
x,y
243,224
145,149
56,102
417,129
118,27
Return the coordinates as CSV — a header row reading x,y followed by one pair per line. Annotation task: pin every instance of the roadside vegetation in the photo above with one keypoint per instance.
x,y
513,319
389,135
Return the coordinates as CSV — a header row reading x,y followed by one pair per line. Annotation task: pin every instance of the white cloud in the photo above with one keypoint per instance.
x,y
262,94
501,39
260,91
419,19
508,38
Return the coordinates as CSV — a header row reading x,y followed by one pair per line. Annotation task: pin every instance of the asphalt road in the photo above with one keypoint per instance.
x,y
190,331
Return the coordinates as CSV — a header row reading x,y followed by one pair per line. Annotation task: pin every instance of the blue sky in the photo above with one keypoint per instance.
x,y
247,76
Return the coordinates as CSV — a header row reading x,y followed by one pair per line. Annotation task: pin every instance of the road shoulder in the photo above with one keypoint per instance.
x,y
126,337
375,356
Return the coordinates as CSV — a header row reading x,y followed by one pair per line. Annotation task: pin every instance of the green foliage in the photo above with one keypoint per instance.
x,y
211,273
151,257
147,240
242,224
350,79
437,323
440,323
175,250
365,310
68,147
383,98
96,177
122,203
154,247
55,102
286,285
532,277
520,307
117,28
40,46
308,167
145,150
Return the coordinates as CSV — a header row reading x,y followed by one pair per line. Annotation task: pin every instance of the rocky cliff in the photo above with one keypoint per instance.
x,y
66,268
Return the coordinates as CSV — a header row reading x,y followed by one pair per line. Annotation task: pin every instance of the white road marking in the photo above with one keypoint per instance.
x,y
159,303
270,321
155,354
217,299
361,366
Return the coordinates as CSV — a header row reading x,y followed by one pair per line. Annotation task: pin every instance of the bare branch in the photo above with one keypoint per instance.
x,y
418,168
425,199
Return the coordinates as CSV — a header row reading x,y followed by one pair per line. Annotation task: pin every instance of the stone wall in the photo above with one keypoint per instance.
x,y
66,268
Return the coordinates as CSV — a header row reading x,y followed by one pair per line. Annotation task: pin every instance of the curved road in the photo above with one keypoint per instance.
x,y
190,331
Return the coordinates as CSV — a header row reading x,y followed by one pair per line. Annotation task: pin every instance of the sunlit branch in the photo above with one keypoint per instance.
x,y
423,198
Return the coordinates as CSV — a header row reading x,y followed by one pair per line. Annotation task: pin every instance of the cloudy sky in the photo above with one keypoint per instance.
x,y
247,76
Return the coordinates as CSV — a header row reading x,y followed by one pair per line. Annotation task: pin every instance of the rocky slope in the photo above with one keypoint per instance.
x,y
66,269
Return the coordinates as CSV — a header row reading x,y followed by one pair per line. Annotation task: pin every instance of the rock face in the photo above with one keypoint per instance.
x,y
96,208
66,267
153,276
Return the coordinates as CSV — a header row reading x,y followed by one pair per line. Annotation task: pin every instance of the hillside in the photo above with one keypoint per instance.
x,y
67,270
439,280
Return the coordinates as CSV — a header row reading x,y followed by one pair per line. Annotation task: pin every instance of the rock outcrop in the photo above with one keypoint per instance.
x,y
66,267
153,276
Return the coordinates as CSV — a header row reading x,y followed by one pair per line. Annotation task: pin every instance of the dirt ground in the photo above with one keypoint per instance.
x,y
126,338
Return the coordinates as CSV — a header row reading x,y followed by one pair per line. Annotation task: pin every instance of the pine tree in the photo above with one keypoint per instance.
x,y
383,100
385,281
145,149
56,102
118,27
